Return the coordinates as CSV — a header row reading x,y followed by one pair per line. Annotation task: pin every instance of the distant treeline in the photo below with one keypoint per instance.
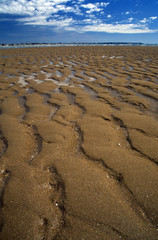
x,y
19,45
90,43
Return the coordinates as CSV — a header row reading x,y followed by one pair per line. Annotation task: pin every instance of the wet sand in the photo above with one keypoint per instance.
x,y
79,143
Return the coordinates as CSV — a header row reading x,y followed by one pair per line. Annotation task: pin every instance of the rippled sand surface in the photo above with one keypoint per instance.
x,y
79,143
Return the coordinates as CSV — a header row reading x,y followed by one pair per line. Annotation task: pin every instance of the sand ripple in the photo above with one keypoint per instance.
x,y
79,143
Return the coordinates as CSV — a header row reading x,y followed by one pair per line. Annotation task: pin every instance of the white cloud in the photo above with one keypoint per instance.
x,y
64,8
130,19
91,7
145,20
39,12
117,28
34,20
91,21
40,20
24,7
109,16
88,20
102,4
77,10
127,13
97,7
153,18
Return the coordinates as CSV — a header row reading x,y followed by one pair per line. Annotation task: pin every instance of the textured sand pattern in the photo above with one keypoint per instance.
x,y
79,143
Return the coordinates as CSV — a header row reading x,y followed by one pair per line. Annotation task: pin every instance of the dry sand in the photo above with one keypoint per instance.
x,y
79,143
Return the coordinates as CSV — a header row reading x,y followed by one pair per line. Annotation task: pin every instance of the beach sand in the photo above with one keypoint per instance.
x,y
79,143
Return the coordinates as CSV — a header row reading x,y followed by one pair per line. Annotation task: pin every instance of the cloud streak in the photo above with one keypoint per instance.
x,y
118,28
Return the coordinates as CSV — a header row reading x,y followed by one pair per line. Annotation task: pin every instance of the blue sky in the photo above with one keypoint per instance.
x,y
78,21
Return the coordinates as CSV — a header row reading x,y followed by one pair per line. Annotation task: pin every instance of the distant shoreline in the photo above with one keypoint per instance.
x,y
27,45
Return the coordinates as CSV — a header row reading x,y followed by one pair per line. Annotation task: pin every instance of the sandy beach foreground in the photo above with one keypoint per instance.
x,y
79,143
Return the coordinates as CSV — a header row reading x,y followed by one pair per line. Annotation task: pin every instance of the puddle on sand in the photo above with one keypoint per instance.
x,y
47,75
45,66
22,81
53,112
100,75
124,68
31,77
148,79
70,62
113,93
90,79
71,98
22,102
31,90
46,97
84,75
15,93
58,73
63,83
56,90
11,84
55,81
109,75
152,102
67,80
66,83
131,68
72,75
10,76
38,81
7,56
89,90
